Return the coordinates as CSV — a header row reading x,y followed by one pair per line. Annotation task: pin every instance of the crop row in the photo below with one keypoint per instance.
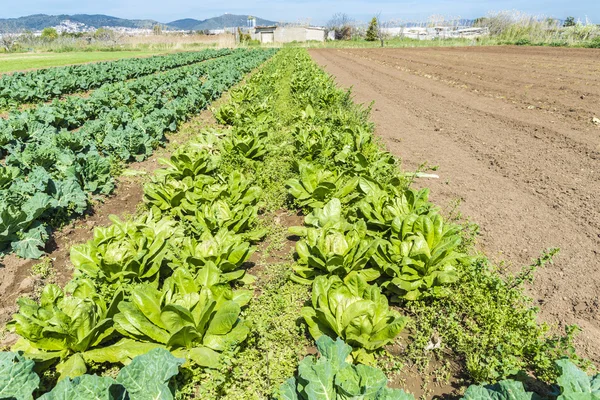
x,y
46,84
172,277
59,154
368,240
163,280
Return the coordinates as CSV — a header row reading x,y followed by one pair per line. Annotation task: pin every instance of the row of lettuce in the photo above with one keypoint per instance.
x,y
46,84
368,238
168,279
172,278
59,155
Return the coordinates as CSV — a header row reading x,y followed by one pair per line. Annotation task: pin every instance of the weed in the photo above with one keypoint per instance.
x,y
43,269
272,351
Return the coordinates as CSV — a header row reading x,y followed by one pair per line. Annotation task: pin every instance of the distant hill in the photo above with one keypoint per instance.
x,y
225,20
40,21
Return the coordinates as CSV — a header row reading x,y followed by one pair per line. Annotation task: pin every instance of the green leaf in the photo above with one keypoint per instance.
x,y
287,390
17,379
224,319
503,390
575,384
86,387
336,352
121,352
320,378
148,375
331,377
31,242
204,357
72,367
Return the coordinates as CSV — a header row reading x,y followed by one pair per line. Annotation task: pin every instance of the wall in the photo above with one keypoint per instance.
x,y
315,34
290,34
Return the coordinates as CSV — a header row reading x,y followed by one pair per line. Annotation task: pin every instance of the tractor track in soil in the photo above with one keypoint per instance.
x,y
512,131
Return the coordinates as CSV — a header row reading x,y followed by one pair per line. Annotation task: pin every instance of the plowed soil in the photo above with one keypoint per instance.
x,y
515,132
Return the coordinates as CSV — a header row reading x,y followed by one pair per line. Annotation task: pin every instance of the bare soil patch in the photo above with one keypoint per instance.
x,y
512,131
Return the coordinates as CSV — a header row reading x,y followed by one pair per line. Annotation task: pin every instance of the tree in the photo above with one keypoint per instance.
x,y
157,29
570,21
341,25
49,34
243,37
8,41
104,34
373,30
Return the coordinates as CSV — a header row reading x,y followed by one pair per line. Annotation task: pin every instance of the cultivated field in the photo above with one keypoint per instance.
x,y
28,61
512,132
231,224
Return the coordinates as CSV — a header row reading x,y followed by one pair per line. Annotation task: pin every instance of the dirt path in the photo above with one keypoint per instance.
x,y
512,131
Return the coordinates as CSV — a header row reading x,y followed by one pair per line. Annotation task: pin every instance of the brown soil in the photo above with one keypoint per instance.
x,y
512,131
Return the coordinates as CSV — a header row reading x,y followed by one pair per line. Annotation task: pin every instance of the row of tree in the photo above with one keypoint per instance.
x,y
344,28
10,42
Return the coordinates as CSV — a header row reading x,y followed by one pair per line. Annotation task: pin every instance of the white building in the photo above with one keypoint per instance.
x,y
287,34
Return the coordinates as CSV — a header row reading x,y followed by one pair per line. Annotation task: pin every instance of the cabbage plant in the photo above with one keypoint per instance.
x,y
146,377
354,311
17,379
330,376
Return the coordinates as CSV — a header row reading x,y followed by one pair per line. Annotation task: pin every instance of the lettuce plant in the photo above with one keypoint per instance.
x,y
189,163
373,166
379,207
227,114
65,327
331,216
330,376
312,142
329,251
249,143
127,251
235,189
164,196
193,322
220,215
224,250
420,258
354,311
318,185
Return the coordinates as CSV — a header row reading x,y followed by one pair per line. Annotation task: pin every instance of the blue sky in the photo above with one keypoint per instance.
x,y
316,11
